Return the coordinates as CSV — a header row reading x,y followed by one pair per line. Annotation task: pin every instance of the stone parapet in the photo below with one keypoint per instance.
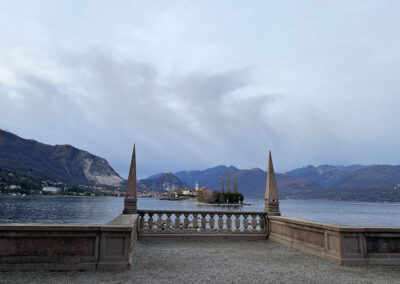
x,y
68,246
343,245
201,225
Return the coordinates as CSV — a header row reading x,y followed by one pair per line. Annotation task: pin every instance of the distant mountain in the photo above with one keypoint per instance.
x,y
162,182
60,162
376,176
325,175
251,182
356,182
210,178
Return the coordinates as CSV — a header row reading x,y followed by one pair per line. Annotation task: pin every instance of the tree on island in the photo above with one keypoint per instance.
x,y
216,197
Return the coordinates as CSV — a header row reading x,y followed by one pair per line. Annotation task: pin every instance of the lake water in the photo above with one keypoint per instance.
x,y
97,210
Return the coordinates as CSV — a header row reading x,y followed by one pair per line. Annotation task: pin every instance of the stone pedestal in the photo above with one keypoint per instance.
x,y
130,205
272,208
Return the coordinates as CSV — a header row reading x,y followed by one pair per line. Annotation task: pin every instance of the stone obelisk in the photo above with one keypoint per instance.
x,y
271,191
130,201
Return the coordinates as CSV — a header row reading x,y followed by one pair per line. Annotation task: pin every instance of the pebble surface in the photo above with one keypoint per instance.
x,y
218,262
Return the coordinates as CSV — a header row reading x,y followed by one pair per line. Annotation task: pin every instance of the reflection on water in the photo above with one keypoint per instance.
x,y
97,210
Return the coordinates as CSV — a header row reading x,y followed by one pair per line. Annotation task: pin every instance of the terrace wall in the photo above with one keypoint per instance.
x,y
68,246
342,245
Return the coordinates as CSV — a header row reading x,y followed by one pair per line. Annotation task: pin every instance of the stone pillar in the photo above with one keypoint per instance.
x,y
235,184
130,201
228,182
271,191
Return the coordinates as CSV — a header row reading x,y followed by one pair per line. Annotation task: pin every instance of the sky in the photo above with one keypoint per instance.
x,y
197,84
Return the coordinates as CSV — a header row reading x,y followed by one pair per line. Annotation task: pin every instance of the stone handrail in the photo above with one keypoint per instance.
x,y
200,222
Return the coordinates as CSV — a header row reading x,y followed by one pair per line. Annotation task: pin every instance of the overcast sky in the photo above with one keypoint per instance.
x,y
202,83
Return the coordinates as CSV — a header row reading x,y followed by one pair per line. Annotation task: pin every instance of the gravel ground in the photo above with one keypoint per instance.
x,y
218,262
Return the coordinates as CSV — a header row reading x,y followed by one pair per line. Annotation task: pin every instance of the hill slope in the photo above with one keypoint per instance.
x,y
325,175
376,176
61,162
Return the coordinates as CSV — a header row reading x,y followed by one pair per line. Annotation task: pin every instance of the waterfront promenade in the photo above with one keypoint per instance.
x,y
218,262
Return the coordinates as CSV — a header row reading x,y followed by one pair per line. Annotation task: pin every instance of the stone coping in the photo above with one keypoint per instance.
x,y
122,223
162,211
334,227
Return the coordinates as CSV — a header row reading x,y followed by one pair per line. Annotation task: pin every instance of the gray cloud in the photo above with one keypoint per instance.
x,y
190,121
315,85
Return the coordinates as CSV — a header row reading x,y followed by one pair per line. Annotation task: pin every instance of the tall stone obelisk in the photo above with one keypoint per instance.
x,y
271,191
130,201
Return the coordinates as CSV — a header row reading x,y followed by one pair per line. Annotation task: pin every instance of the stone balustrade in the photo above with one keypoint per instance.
x,y
160,222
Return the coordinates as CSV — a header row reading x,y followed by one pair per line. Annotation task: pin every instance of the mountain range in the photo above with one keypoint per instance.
x,y
251,182
71,165
355,182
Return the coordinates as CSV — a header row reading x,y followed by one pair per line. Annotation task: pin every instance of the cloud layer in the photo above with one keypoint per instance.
x,y
196,85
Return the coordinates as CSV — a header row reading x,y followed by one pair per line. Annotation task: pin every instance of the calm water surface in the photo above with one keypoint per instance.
x,y
87,210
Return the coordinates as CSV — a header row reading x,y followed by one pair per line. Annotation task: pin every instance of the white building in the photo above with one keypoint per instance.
x,y
50,189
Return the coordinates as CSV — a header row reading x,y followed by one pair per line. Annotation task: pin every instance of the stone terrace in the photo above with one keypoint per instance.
x,y
218,262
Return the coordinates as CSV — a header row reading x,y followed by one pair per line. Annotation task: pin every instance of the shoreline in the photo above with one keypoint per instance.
x,y
217,204
200,203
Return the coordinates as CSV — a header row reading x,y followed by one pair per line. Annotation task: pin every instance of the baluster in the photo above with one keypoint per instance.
x,y
186,221
159,222
212,221
220,221
150,222
228,221
237,222
253,222
262,222
203,221
141,223
177,220
245,222
195,221
168,222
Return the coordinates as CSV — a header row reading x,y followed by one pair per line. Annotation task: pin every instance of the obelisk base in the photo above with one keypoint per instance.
x,y
272,208
130,206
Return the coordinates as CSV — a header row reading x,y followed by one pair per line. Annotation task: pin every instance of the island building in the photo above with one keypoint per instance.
x,y
235,184
196,187
228,182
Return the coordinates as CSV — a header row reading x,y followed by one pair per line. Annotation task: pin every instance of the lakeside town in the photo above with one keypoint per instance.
x,y
19,185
